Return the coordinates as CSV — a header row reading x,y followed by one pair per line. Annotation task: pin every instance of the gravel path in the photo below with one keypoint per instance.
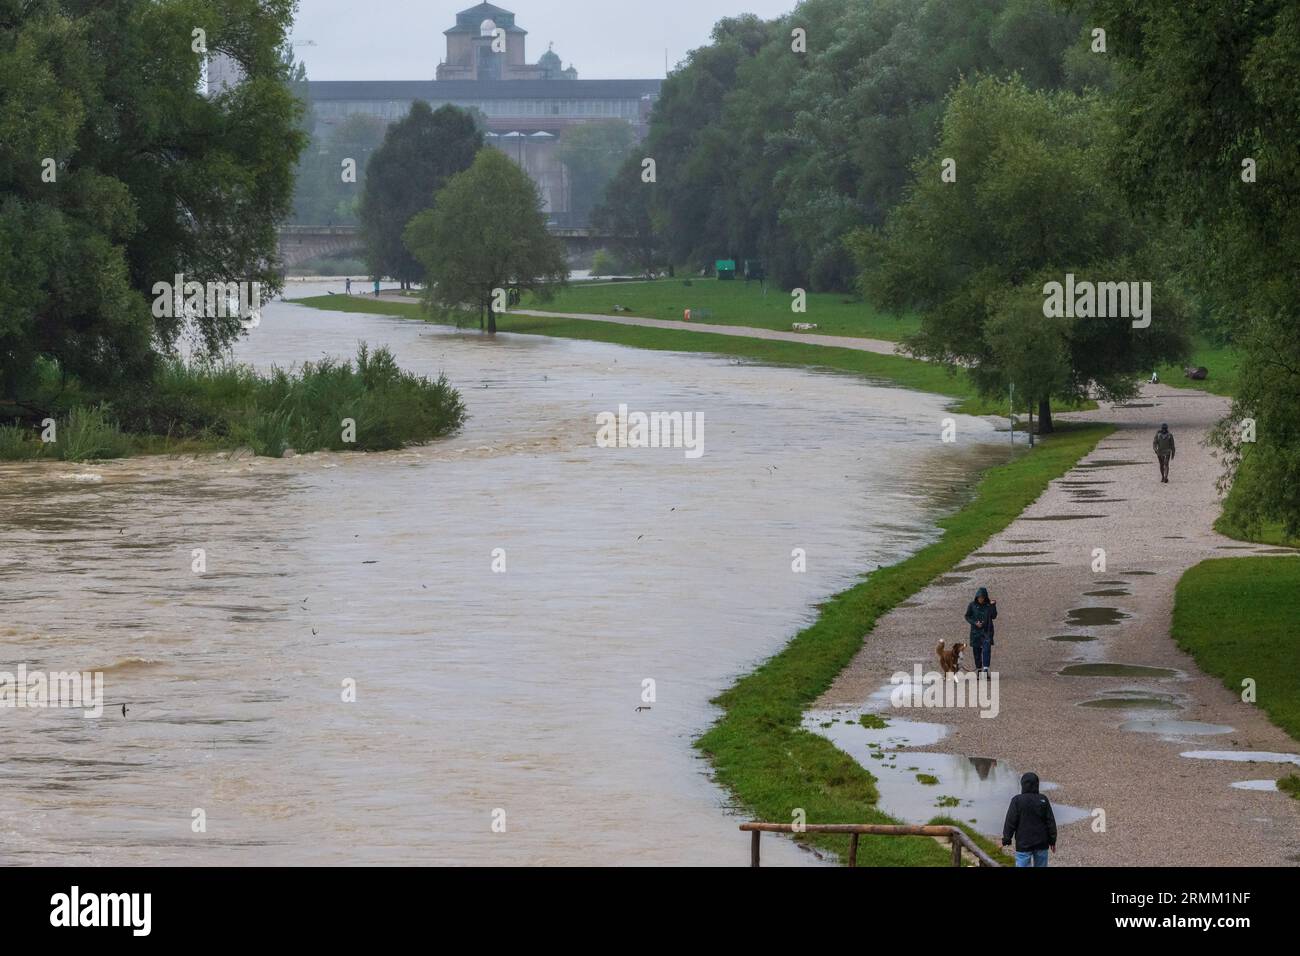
x,y
879,346
1160,808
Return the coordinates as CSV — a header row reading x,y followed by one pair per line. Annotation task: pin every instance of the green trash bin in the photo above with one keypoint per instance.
x,y
726,268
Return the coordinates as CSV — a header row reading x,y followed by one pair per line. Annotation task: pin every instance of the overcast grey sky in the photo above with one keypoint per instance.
x,y
604,39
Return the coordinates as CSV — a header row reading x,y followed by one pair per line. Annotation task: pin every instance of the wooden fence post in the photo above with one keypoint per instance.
x,y
753,848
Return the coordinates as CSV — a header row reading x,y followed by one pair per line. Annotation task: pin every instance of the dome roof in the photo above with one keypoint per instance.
x,y
549,58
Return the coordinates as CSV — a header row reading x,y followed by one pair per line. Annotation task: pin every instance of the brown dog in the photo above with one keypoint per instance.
x,y
950,660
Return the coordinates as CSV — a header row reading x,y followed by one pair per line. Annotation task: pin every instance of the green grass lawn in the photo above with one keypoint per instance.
x,y
886,369
758,748
1237,617
732,303
1221,360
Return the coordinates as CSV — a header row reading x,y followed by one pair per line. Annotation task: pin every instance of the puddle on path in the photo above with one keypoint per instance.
x,y
1076,638
1095,617
1268,786
1005,564
975,790
1130,573
1133,699
1110,463
1109,592
1027,540
1176,728
1007,554
1243,756
946,579
1110,669
1064,517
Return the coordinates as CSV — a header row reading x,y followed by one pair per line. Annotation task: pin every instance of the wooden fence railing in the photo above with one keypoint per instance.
x,y
956,837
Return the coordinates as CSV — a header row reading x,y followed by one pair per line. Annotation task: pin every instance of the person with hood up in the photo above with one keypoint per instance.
x,y
1031,823
1163,444
979,615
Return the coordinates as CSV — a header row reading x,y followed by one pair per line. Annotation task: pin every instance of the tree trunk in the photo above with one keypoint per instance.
x,y
1044,416
492,321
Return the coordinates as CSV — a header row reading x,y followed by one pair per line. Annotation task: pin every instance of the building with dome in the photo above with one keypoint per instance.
x,y
527,107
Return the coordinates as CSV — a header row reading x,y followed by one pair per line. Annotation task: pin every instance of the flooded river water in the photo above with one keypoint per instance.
x,y
482,696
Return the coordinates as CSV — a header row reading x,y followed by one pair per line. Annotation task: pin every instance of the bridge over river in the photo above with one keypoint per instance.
x,y
301,244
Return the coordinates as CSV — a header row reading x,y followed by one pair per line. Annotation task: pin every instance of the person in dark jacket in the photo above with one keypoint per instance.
x,y
1163,444
979,615
1031,823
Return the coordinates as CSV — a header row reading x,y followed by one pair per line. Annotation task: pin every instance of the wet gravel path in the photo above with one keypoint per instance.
x,y
1160,808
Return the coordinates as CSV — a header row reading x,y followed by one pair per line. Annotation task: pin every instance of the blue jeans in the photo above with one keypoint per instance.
x,y
982,650
1032,857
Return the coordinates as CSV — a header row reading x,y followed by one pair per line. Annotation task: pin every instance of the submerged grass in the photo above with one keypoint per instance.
x,y
759,750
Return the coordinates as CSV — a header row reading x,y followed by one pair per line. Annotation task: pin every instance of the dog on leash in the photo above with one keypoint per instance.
x,y
950,658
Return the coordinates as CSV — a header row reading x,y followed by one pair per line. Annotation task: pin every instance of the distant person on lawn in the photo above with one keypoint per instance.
x,y
347,286
1163,444
979,615
376,288
1031,823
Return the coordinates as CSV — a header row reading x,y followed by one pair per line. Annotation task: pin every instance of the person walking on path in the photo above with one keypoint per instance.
x,y
347,286
376,287
1163,444
979,615
1031,823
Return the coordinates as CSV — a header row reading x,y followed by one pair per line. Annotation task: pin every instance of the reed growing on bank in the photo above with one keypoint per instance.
x,y
366,404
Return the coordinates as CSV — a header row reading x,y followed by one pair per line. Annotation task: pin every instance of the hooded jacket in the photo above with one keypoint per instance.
x,y
977,613
1029,818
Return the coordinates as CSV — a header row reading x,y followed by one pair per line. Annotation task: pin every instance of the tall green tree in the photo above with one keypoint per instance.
x,y
485,234
592,153
625,216
1207,93
323,196
1029,205
420,153
117,172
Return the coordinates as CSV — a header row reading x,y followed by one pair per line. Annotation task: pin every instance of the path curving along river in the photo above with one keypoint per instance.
x,y
481,696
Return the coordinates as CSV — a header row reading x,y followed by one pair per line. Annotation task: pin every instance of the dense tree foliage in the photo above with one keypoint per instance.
x,y
1207,93
323,195
766,151
485,234
420,153
592,153
117,172
1025,202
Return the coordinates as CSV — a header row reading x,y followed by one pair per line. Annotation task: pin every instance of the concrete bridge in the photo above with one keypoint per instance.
x,y
300,244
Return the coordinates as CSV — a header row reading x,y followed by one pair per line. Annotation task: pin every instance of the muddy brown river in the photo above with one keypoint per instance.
x,y
496,717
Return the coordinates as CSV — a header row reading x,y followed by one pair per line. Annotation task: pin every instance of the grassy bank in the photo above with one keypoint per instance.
x,y
1222,362
731,303
366,405
889,369
758,748
1236,617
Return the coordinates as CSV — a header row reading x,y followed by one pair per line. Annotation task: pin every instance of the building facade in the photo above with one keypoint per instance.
x,y
527,107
